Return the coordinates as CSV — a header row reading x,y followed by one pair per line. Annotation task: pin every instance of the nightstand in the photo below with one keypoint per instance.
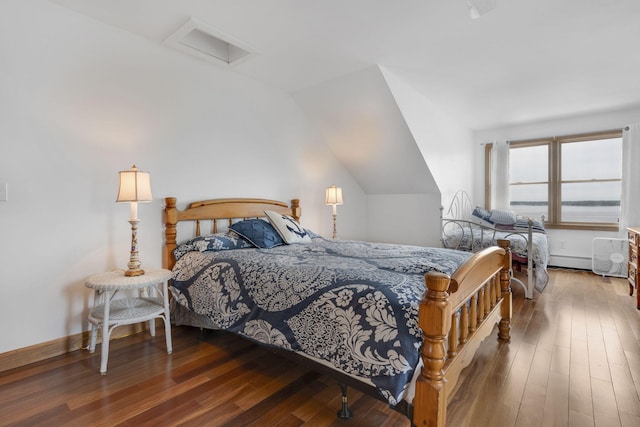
x,y
151,303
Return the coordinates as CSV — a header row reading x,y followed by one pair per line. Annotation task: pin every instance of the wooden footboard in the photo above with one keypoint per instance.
x,y
460,311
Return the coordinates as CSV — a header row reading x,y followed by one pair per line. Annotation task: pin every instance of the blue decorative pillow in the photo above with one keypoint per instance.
x,y
502,217
258,232
288,228
212,242
481,216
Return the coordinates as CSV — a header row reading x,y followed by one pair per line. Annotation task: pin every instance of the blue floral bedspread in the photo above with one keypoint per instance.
x,y
352,304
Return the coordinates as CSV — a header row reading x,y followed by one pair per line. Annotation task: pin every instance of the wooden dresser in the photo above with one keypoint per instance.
x,y
634,248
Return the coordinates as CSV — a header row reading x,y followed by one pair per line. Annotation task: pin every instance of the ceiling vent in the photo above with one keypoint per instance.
x,y
200,40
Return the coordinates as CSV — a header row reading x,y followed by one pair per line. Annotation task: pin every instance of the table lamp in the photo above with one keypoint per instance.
x,y
333,196
134,187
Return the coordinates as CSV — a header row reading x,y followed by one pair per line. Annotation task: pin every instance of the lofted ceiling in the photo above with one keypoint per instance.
x,y
525,61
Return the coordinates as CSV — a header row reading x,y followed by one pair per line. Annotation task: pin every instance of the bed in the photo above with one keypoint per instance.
x,y
470,228
386,328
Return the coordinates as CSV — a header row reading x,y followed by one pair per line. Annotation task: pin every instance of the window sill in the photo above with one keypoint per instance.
x,y
582,226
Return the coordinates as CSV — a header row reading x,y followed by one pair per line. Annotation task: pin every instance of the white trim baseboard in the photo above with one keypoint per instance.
x,y
38,352
583,263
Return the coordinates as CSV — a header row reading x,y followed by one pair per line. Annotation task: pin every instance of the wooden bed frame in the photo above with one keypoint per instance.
x,y
456,314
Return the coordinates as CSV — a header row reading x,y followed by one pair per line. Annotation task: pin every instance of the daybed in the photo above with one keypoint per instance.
x,y
469,228
357,310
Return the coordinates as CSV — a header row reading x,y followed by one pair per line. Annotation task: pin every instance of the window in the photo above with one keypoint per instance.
x,y
574,181
529,186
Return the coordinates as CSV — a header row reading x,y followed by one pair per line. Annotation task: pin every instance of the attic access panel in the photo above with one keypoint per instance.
x,y
202,41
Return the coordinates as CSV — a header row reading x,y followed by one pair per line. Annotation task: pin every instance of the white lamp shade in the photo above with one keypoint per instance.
x,y
135,186
333,195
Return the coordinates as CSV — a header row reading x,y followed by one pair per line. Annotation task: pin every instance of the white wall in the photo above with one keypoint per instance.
x,y
404,218
361,122
446,146
407,155
448,151
568,248
80,101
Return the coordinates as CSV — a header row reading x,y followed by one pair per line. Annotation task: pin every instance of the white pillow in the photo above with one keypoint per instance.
x,y
288,228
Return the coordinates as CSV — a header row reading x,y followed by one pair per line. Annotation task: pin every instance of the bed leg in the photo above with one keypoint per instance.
x,y
206,333
410,414
344,413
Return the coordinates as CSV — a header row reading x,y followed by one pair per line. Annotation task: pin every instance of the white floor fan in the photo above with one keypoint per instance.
x,y
610,257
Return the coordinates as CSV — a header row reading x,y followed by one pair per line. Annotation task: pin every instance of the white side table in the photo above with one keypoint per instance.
x,y
152,303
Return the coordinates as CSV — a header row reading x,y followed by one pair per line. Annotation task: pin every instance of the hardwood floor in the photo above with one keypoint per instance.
x,y
574,360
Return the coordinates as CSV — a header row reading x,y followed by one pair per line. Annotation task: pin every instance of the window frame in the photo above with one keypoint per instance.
x,y
555,177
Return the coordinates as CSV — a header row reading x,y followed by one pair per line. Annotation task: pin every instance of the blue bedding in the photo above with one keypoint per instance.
x,y
352,304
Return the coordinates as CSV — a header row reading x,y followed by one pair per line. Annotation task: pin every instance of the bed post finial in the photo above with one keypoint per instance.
x,y
170,221
435,321
504,327
295,209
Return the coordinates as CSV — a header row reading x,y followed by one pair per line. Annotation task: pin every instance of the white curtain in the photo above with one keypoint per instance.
x,y
500,175
630,200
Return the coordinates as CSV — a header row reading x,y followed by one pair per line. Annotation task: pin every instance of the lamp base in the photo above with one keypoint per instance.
x,y
133,273
335,230
134,261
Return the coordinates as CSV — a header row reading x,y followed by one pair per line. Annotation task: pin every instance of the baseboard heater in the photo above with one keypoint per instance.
x,y
566,261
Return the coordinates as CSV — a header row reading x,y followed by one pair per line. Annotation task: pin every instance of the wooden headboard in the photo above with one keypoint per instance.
x,y
214,211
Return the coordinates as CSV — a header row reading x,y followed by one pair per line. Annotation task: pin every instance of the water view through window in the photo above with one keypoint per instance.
x,y
587,180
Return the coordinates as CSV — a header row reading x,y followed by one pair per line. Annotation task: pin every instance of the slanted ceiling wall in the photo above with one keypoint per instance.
x,y
408,156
